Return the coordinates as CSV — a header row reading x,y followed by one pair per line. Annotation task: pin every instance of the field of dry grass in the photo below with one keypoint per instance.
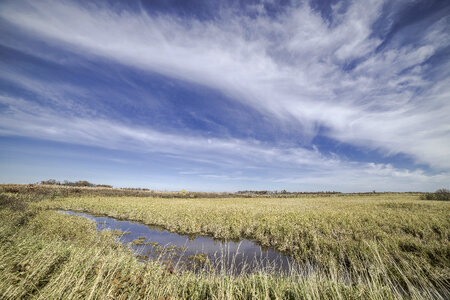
x,y
378,246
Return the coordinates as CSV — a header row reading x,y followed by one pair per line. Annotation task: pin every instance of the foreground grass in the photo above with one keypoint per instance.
x,y
375,247
316,229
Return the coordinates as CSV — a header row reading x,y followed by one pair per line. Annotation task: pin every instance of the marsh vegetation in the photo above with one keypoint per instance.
x,y
347,246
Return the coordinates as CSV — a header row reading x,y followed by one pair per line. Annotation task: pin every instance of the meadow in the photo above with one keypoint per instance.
x,y
379,246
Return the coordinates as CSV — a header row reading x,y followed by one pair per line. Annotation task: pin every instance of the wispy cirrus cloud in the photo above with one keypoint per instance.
x,y
338,77
22,117
228,158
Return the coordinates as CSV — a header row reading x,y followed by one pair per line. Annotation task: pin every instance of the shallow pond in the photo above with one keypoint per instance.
x,y
196,253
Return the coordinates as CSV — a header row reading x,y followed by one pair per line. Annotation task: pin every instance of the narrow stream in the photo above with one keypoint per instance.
x,y
195,253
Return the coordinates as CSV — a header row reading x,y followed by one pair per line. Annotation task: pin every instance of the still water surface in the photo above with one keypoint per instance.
x,y
192,252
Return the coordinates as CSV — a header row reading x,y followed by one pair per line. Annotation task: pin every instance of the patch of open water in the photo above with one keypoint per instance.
x,y
192,252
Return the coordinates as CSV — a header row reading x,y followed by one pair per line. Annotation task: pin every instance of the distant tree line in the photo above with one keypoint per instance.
x,y
80,183
283,192
134,189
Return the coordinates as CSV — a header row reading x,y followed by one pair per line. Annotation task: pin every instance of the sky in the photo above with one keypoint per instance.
x,y
328,95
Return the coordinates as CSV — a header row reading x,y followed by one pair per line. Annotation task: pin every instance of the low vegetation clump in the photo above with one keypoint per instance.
x,y
382,246
440,195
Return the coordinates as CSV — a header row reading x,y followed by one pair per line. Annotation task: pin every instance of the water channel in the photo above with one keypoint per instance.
x,y
179,251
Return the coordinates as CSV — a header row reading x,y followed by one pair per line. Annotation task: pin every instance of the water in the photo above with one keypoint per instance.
x,y
179,251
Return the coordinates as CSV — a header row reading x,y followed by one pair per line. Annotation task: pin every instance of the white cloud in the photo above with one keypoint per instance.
x,y
368,177
25,118
289,68
318,172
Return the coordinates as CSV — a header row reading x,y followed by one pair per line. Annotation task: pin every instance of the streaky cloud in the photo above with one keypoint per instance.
x,y
331,75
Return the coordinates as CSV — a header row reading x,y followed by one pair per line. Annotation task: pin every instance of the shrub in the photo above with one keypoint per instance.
x,y
441,194
12,201
50,182
83,183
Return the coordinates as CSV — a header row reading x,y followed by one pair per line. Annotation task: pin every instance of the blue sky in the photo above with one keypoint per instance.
x,y
303,96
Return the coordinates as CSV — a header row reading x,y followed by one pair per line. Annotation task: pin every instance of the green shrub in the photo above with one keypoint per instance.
x,y
441,194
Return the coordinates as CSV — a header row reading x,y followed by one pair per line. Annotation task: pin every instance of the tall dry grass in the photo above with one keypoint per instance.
x,y
370,248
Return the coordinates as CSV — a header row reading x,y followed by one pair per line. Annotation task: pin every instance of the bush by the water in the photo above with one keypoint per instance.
x,y
441,194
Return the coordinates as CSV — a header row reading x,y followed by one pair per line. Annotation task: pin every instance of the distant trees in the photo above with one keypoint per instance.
x,y
284,192
84,183
50,182
80,183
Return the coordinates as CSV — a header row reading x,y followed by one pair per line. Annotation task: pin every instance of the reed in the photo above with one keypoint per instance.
x,y
347,247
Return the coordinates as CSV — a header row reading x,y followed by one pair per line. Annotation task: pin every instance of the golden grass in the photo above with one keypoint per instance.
x,y
302,226
374,247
